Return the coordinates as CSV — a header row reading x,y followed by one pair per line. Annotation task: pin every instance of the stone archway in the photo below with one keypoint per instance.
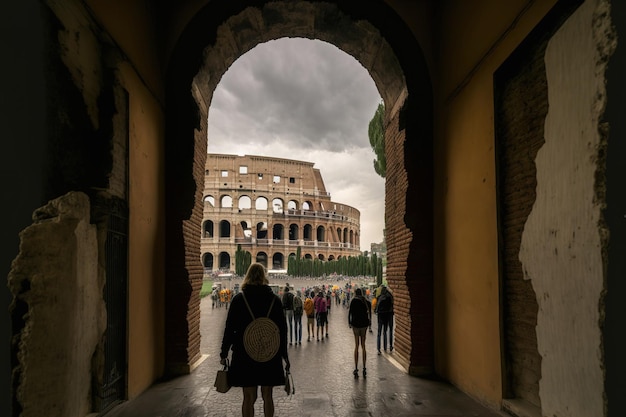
x,y
376,37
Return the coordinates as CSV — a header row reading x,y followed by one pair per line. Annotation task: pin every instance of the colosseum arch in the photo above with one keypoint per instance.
x,y
226,201
277,205
260,203
294,232
371,32
207,229
244,202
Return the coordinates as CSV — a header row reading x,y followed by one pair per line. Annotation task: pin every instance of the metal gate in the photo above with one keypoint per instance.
x,y
113,387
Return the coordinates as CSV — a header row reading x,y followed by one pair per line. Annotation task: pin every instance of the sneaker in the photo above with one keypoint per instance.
x,y
379,351
355,373
326,334
391,349
364,373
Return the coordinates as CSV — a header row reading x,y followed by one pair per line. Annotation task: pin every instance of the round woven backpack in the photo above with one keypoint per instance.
x,y
261,338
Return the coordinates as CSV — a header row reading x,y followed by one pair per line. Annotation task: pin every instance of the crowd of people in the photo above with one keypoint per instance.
x,y
311,304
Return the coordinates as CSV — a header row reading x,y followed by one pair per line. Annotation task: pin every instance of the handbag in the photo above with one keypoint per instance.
x,y
221,379
290,388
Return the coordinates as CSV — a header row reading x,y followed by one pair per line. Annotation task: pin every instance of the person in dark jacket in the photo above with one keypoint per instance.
x,y
244,371
384,310
359,319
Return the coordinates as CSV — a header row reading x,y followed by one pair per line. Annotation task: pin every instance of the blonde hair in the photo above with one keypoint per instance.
x,y
255,276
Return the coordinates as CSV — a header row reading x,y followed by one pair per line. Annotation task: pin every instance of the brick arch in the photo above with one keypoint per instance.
x,y
374,35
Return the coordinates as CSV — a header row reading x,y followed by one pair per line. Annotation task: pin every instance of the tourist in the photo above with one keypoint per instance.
x,y
359,319
244,371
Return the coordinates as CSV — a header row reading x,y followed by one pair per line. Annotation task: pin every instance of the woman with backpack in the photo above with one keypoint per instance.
x,y
252,366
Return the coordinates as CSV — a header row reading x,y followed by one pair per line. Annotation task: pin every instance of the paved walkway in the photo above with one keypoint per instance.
x,y
322,373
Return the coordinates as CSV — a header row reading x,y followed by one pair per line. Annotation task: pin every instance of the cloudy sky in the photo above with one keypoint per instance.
x,y
306,100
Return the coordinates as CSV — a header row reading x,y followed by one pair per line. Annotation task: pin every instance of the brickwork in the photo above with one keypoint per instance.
x,y
398,237
522,92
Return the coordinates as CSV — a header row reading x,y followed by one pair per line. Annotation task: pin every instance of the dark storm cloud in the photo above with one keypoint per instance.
x,y
307,93
304,100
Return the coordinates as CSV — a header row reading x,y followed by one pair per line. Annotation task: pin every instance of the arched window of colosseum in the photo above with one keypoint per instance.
x,y
261,230
278,261
261,258
277,205
320,256
244,202
345,236
331,257
292,255
292,205
308,256
307,205
308,232
210,200
351,237
224,228
224,261
207,261
260,203
339,236
207,229
277,232
294,232
320,234
226,202
247,230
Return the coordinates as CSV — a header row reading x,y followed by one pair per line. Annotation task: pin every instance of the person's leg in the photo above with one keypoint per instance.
x,y
289,317
318,324
390,333
327,323
364,353
380,329
385,325
268,401
298,328
249,398
356,354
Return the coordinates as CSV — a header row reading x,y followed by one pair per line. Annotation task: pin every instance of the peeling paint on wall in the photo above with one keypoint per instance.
x,y
562,243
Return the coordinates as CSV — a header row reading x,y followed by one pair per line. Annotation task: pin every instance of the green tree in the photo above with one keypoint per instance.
x,y
243,260
376,133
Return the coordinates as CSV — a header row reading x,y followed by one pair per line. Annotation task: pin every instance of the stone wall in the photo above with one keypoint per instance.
x,y
58,310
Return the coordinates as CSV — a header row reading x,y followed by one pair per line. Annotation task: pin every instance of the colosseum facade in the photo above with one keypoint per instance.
x,y
271,206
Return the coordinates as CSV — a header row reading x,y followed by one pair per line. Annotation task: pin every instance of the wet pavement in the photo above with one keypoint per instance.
x,y
322,373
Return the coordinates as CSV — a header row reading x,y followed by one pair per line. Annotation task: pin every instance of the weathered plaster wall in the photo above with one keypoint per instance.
x,y
55,282
474,41
563,240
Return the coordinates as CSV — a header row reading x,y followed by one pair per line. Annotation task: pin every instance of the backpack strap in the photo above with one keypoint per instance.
x,y
271,305
250,310
247,305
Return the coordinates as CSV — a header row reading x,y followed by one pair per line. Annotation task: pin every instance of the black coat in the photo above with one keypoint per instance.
x,y
244,371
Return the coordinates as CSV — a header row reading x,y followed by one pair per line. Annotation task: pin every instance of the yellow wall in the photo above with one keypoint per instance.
x,y
146,236
474,40
132,28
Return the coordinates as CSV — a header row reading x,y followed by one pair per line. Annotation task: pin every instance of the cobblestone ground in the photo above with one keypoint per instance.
x,y
322,373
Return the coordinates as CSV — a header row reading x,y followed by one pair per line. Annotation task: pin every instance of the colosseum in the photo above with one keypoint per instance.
x,y
271,206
